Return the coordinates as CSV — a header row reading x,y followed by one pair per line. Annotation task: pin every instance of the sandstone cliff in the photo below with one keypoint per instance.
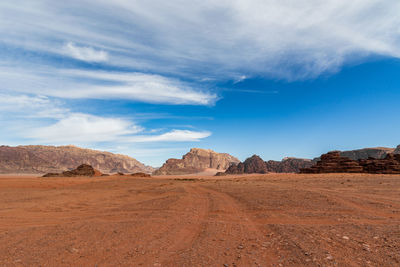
x,y
197,160
52,159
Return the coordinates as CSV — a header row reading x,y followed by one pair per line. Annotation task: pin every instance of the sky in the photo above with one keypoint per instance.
x,y
152,79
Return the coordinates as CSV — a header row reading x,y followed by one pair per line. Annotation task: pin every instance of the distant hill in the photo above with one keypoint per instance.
x,y
45,159
255,164
374,152
197,160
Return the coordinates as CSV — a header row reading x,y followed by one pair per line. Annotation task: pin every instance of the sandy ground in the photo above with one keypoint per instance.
x,y
263,220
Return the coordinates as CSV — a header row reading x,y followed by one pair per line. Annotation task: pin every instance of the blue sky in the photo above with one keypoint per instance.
x,y
152,79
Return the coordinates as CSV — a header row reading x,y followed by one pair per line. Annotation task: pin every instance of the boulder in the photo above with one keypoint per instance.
x,y
140,174
81,170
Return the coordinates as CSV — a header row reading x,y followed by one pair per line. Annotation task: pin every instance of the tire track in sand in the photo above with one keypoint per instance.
x,y
225,234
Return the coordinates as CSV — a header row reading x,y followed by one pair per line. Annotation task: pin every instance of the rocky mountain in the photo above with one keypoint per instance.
x,y
197,160
53,159
255,164
334,162
397,150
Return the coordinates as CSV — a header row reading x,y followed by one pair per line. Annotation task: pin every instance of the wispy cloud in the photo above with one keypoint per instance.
x,y
84,53
218,38
173,136
30,107
83,128
90,84
90,129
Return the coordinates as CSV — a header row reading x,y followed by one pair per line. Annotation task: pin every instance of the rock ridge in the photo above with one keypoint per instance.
x,y
54,159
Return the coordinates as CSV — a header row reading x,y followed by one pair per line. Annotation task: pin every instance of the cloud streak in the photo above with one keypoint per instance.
x,y
90,129
88,54
218,38
89,84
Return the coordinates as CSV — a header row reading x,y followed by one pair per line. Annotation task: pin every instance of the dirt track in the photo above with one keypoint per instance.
x,y
268,220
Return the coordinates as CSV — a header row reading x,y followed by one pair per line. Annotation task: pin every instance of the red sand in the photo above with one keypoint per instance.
x,y
262,220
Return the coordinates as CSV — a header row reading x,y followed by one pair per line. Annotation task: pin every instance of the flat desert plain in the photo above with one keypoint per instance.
x,y
259,220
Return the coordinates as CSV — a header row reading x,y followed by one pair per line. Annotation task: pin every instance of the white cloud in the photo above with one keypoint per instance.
x,y
83,128
28,106
172,136
88,54
77,84
78,128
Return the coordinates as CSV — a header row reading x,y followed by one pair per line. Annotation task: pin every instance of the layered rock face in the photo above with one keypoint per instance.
x,y
333,162
195,161
82,170
389,165
45,159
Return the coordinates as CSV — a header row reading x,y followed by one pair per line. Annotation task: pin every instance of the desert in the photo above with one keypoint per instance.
x,y
245,133
234,220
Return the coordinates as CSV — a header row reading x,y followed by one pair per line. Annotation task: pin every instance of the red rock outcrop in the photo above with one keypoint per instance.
x,y
389,165
45,159
288,165
140,175
333,162
197,160
254,164
81,170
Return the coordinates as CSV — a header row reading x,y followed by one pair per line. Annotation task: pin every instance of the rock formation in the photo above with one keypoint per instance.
x,y
197,160
397,151
389,165
375,152
254,164
288,165
82,170
140,175
45,159
333,162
